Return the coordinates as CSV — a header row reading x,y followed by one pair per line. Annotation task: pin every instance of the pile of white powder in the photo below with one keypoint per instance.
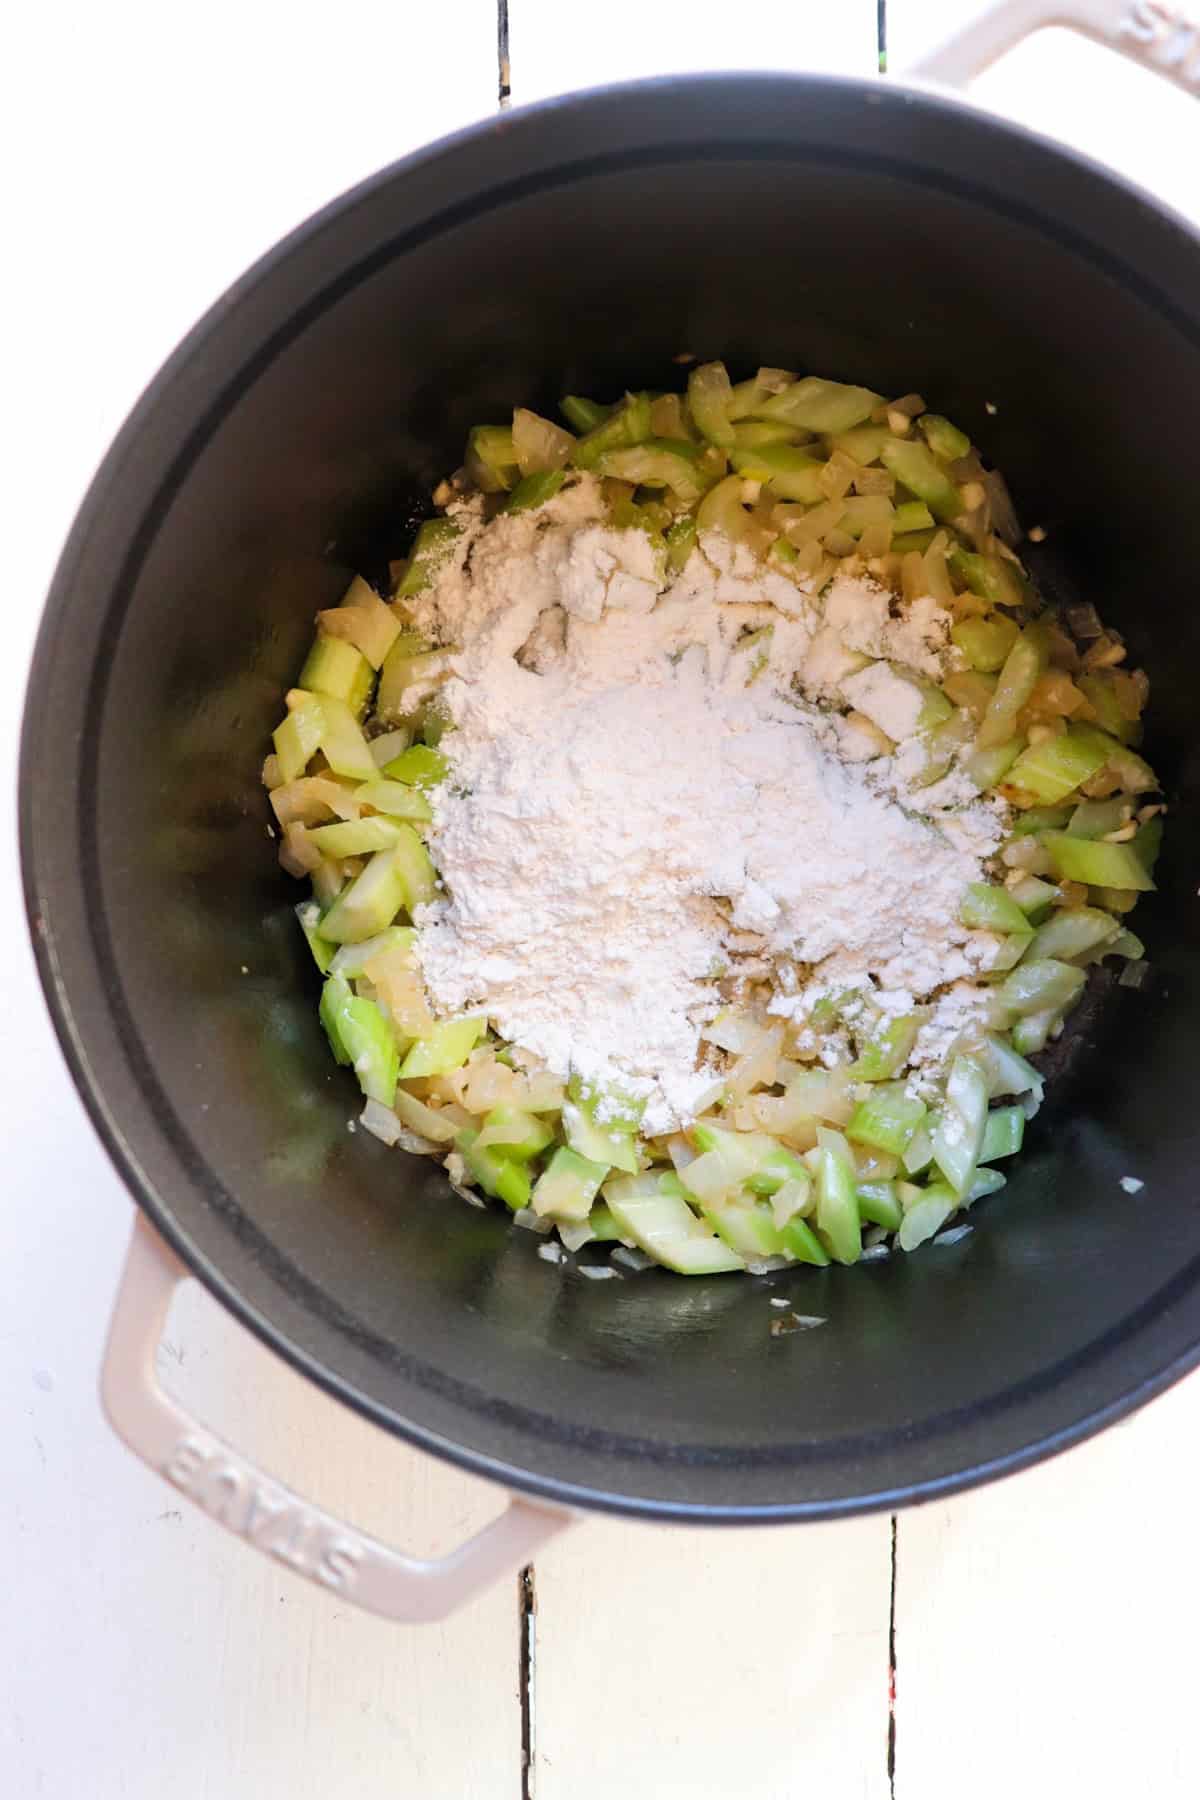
x,y
647,776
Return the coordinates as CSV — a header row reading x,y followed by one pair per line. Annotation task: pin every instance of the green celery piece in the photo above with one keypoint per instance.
x,y
419,766
1039,986
491,458
352,959
752,434
944,439
1148,842
432,547
356,837
863,444
666,1228
1071,931
309,915
1003,1133
445,1049
344,747
395,798
1032,1032
903,542
1132,771
600,1144
993,578
605,1229
987,768
625,425
927,1214
888,1050
1102,696
911,515
789,472
1056,767
658,462
920,472
747,1227
582,415
568,1185
816,405
500,1176
887,1119
837,1198
358,1030
1036,819
609,1106
534,490
777,1166
1096,818
298,739
986,642
339,669
987,1181
1097,864
988,908
1034,897
748,396
799,1241
878,1204
681,541
959,1133
1024,663
535,1137
863,511
418,873
710,399
1007,1070
919,1154
370,902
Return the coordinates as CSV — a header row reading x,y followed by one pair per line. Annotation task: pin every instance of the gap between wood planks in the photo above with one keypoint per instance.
x,y
526,1579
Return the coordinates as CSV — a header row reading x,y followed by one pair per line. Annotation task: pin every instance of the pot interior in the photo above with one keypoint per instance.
x,y
827,226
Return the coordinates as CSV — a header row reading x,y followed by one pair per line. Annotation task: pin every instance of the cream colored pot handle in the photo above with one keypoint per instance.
x,y
1158,36
265,1514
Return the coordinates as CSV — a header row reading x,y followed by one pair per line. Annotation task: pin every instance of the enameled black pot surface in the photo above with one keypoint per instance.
x,y
849,228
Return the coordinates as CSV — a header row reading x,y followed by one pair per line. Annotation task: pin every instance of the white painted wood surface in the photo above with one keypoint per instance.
x,y
1041,1625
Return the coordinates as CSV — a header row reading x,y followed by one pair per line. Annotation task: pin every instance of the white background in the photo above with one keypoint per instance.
x,y
1041,1626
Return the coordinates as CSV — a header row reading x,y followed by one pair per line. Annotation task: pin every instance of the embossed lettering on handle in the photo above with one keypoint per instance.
x,y
264,1513
1161,37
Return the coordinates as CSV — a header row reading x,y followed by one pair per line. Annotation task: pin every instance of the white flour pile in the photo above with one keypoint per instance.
x,y
642,784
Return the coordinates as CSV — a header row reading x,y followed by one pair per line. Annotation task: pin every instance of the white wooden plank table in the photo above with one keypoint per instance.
x,y
142,1652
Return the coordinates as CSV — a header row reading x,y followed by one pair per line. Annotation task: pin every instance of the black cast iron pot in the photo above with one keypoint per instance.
x,y
881,235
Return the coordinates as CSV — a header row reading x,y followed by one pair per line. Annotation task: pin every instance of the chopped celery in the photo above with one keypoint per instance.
x,y
419,766
915,466
658,462
498,1175
927,1214
541,447
511,1131
987,768
911,515
878,1204
1034,897
309,915
365,1039
864,444
356,837
1003,1133
370,902
337,668
777,1166
798,1240
748,396
817,405
665,1227
1096,863
491,458
342,743
598,1143
1007,1071
987,1181
993,578
1056,767
605,1229
362,620
919,1154
752,434
352,959
862,511
1036,819
610,1106
681,541
298,739
1072,931
395,798
1022,666
1099,691
1046,985
747,1227
581,414
959,1134
416,870
626,424
1148,842
568,1185
986,642
990,908
445,1049
1031,1032
1096,818
886,1053
534,490
945,440
904,541
710,398
433,546
887,1118
837,1198
790,473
